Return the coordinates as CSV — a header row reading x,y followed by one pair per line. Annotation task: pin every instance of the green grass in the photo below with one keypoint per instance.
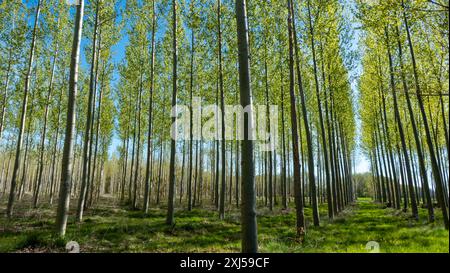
x,y
110,228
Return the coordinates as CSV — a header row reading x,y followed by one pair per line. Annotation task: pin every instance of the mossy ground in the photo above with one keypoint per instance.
x,y
112,228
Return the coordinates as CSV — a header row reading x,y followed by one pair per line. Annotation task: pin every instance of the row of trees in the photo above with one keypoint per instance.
x,y
203,172
34,102
110,134
404,103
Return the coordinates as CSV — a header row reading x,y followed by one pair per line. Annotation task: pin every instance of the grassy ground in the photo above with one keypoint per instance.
x,y
110,228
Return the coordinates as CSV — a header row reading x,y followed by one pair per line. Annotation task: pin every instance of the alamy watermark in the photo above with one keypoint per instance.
x,y
207,123
73,247
373,247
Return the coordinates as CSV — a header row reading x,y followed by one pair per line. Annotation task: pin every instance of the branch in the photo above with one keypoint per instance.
x,y
439,4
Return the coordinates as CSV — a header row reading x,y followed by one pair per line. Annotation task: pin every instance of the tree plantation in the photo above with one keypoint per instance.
x,y
224,125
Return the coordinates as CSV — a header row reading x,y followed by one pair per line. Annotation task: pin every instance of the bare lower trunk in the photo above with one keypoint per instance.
x,y
64,193
248,194
87,134
294,127
150,121
171,197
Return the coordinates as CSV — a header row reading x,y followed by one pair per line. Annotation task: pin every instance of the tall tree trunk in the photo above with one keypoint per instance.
x,y
9,210
200,177
297,186
194,198
329,172
237,162
87,134
92,158
284,200
97,134
133,157
158,187
125,163
270,167
248,194
222,108
171,200
217,155
312,182
64,193
230,190
182,171
150,110
138,152
333,154
191,87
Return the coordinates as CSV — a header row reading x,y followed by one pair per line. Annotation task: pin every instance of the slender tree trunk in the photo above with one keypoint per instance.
x,y
150,110
55,149
200,178
329,172
138,152
161,151
182,171
191,87
87,134
230,191
312,182
92,158
266,190
248,194
64,194
133,157
194,198
222,108
217,155
125,164
270,167
296,161
238,181
170,205
9,210
284,200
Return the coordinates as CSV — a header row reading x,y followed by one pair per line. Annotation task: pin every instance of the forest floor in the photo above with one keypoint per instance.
x,y
112,228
